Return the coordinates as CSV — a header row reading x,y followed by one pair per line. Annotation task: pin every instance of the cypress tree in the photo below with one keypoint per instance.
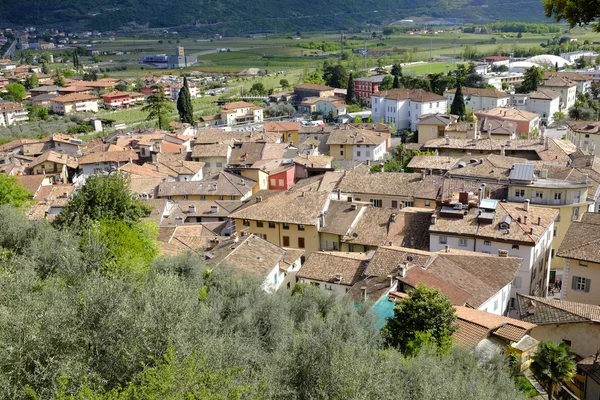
x,y
185,107
396,84
350,94
458,104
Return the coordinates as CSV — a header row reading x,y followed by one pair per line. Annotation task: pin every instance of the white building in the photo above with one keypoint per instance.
x,y
101,162
240,111
480,99
573,56
404,107
512,229
74,103
497,79
566,87
544,102
336,107
12,113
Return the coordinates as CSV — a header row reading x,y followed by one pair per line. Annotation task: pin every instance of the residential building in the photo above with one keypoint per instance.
x,y
573,56
348,142
365,87
581,266
333,272
254,257
390,189
281,172
433,126
576,324
438,165
117,99
214,156
330,107
488,335
44,90
219,186
311,90
584,134
543,102
102,162
308,165
404,107
587,379
43,100
480,99
475,280
489,226
74,103
241,112
584,81
12,113
53,163
568,197
288,219
502,79
566,87
496,61
51,200
288,130
526,122
68,144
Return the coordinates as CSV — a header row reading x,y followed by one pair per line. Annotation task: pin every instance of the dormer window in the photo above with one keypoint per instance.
x,y
502,227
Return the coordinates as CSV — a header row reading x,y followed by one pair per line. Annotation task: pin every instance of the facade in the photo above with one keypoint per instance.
x,y
352,143
500,79
480,99
583,80
118,99
404,107
56,164
311,90
74,103
492,227
581,267
584,134
566,87
544,102
240,112
97,163
12,113
365,87
330,107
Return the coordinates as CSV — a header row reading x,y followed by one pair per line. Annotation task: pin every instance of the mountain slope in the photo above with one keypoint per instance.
x,y
259,14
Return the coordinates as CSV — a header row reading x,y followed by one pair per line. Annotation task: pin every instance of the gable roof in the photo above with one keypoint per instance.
x,y
313,86
508,113
73,97
582,240
55,157
219,184
391,183
108,156
550,311
417,95
348,134
481,92
324,266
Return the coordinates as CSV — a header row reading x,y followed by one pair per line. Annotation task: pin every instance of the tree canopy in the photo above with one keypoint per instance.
x,y
531,80
11,192
575,13
458,104
15,92
185,107
554,365
350,93
158,106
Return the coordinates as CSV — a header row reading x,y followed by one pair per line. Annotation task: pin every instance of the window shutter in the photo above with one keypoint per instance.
x,y
588,283
574,283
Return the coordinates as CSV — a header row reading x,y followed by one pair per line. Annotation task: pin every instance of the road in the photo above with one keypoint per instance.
x,y
9,53
554,133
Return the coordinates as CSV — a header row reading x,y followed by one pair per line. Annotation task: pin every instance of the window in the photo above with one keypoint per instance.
x,y
259,224
517,282
281,182
341,152
245,222
583,263
512,302
300,227
495,304
350,248
575,214
358,154
487,243
231,197
581,284
286,226
427,203
555,231
557,196
515,247
539,195
185,196
207,164
376,203
394,203
286,241
567,342
202,197
443,240
519,193
301,242
273,182
219,164
462,242
221,198
262,236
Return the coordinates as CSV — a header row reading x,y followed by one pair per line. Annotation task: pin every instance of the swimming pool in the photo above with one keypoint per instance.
x,y
383,310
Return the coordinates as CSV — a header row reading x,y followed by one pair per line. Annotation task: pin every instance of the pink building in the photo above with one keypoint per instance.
x,y
282,173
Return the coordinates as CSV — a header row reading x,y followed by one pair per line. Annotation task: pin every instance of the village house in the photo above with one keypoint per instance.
x,y
480,99
215,156
74,103
583,80
544,102
288,218
526,122
311,90
44,90
61,166
433,126
365,87
102,162
119,99
12,113
404,107
348,142
581,265
51,200
584,134
330,108
562,321
287,130
566,87
219,186
239,112
489,226
281,173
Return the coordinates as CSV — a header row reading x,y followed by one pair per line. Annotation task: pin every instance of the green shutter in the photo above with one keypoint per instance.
x,y
588,283
574,283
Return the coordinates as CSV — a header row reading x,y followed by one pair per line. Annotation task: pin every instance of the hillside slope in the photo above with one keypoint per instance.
x,y
259,15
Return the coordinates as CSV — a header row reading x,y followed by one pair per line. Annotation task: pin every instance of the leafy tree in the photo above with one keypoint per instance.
x,y
12,193
313,77
185,108
45,69
458,104
573,13
159,106
102,198
532,78
284,83
350,93
75,60
397,70
425,317
15,92
335,75
32,81
470,53
554,365
90,76
38,113
387,83
595,89
59,80
559,117
122,87
358,120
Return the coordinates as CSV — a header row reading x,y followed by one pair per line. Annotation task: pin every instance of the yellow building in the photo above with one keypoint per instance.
x,y
287,130
287,219
433,126
354,143
53,163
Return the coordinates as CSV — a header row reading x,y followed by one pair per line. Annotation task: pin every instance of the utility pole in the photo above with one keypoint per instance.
x,y
365,55
341,44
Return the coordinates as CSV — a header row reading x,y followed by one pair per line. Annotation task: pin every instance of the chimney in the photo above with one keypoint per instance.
x,y
258,199
584,179
526,205
402,270
539,220
502,253
363,293
446,249
447,140
502,150
531,231
338,277
544,174
546,143
433,219
353,207
214,209
525,219
192,208
391,280
481,161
